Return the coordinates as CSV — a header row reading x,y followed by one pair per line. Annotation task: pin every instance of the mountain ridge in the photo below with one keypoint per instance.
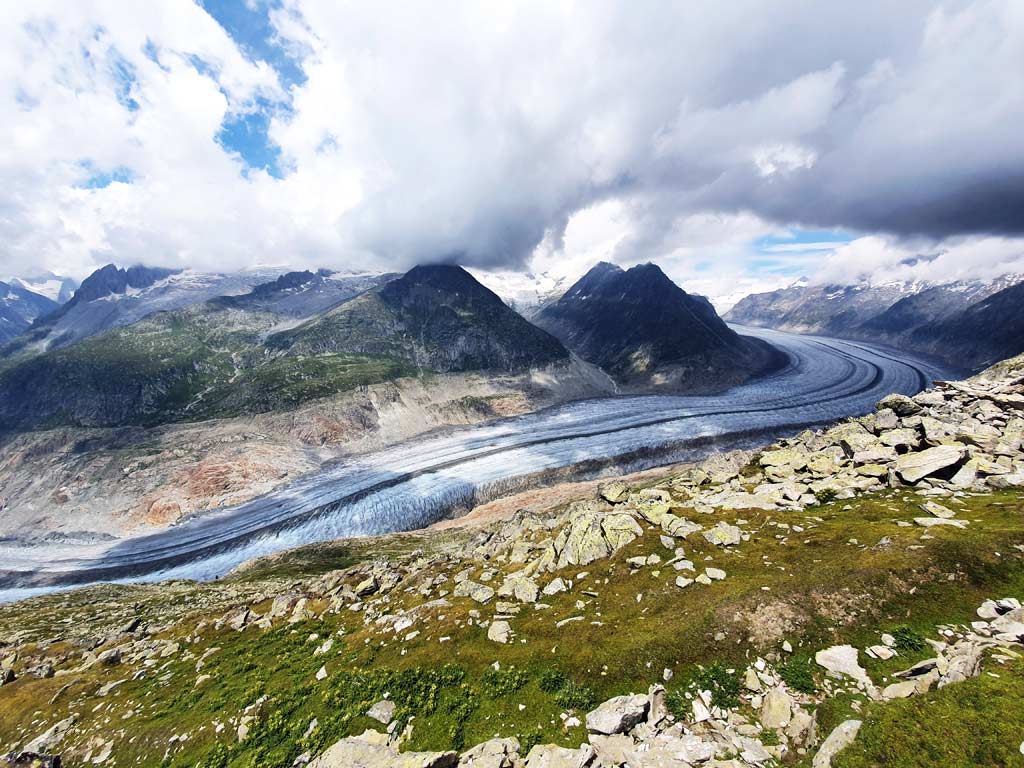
x,y
915,316
238,354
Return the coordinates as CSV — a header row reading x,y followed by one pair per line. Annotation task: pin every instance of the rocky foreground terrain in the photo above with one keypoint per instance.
x,y
845,597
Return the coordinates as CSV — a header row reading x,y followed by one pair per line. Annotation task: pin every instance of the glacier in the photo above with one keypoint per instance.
x,y
414,484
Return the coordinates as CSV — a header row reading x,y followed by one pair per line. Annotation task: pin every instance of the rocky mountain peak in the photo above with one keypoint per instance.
x,y
111,279
637,323
431,284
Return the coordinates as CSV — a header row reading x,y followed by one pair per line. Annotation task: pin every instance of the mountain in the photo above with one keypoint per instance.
x,y
984,333
282,344
112,297
19,306
437,317
906,315
54,287
646,331
829,310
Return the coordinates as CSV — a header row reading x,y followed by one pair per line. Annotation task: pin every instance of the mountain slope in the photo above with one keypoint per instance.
x,y
980,335
436,317
646,331
912,316
54,287
19,306
830,310
237,355
113,297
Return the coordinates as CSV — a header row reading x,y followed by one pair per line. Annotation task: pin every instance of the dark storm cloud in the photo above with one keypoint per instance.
x,y
424,130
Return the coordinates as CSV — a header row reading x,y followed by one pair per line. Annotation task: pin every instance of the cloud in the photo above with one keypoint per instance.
x,y
880,259
506,135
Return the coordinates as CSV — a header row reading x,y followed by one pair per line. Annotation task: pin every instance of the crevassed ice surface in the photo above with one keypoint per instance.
x,y
416,483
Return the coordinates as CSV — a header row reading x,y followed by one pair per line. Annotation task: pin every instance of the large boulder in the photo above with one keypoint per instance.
x,y
901,437
481,593
584,541
842,660
901,404
49,739
551,756
679,527
620,529
496,753
363,752
776,709
613,492
724,535
838,740
30,760
521,588
912,467
618,715
784,457
851,437
499,632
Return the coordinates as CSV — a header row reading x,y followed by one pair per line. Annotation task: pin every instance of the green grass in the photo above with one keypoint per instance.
x,y
201,363
821,589
979,722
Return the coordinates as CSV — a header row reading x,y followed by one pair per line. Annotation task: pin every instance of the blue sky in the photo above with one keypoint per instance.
x,y
249,25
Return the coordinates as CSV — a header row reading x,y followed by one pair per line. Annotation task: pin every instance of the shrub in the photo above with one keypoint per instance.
x,y
502,682
716,678
908,639
798,673
575,696
552,681
825,495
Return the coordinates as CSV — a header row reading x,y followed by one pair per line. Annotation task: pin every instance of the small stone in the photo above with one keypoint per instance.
x,y
937,510
383,711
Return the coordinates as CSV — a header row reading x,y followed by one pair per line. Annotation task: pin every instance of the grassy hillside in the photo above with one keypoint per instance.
x,y
849,575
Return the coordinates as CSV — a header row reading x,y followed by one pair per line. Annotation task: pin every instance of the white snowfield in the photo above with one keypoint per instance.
x,y
414,484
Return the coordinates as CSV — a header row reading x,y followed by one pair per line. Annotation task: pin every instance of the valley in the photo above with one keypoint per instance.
x,y
414,484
